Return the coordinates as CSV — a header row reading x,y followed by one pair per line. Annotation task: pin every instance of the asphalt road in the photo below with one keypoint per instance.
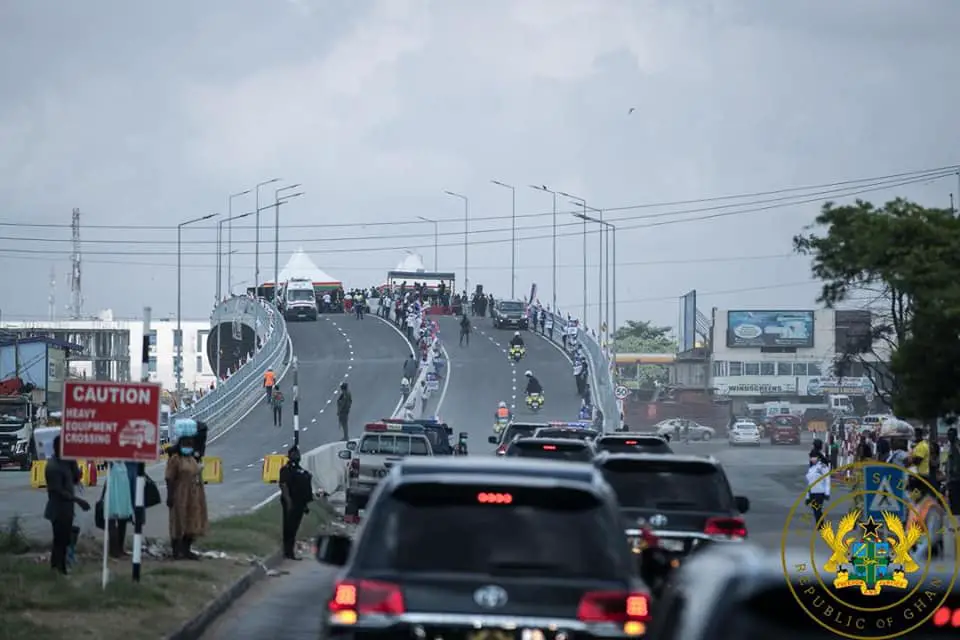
x,y
481,375
367,354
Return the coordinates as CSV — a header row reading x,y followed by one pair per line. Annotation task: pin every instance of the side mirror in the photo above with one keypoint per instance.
x,y
344,455
351,445
666,437
333,549
743,503
493,440
449,430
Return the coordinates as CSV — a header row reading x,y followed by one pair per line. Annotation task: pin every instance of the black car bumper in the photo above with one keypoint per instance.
x,y
519,323
296,313
471,627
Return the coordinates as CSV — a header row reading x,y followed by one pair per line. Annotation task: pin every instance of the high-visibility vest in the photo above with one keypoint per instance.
x,y
503,412
920,514
269,378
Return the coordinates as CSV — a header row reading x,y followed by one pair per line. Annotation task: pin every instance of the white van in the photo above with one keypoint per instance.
x,y
300,300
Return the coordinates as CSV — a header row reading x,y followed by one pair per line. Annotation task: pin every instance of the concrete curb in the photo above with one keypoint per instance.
x,y
194,628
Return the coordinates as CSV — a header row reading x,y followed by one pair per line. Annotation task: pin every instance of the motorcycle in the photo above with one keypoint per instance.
x,y
535,402
517,352
460,448
500,425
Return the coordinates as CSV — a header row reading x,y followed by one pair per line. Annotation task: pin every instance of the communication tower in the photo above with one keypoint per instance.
x,y
76,294
52,298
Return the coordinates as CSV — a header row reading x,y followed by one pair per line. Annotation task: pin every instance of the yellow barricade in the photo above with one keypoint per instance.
x,y
38,471
88,474
271,468
212,470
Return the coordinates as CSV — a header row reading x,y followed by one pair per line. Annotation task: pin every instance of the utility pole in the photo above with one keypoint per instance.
x,y
139,493
76,295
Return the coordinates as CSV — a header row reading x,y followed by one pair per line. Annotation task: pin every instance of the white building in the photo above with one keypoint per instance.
x,y
118,342
767,354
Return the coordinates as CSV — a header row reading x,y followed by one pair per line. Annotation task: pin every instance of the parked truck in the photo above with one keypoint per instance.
x,y
16,431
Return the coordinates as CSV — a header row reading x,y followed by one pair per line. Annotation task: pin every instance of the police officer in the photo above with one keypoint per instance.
x,y
296,494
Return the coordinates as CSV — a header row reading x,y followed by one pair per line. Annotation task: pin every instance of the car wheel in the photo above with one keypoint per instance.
x,y
706,436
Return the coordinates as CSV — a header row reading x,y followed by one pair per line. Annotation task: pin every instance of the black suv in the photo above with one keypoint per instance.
x,y
552,449
513,431
626,442
673,505
482,548
509,313
439,434
738,592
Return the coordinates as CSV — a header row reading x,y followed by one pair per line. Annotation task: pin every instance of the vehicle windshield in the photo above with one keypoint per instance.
x,y
550,451
450,528
393,445
301,295
784,421
13,412
652,485
438,438
518,430
511,307
633,445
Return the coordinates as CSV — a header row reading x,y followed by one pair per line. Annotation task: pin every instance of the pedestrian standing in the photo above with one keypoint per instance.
x,y
818,487
276,401
344,402
186,495
60,477
119,508
296,493
464,329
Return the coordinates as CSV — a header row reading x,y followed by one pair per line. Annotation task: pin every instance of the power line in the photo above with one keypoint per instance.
x,y
918,175
575,233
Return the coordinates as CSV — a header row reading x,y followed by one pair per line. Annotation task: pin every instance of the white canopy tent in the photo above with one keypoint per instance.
x,y
300,266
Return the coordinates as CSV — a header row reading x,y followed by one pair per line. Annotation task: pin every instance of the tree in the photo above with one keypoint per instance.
x,y
906,257
642,336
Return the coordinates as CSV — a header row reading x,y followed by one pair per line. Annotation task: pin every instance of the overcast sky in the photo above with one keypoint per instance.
x,y
149,114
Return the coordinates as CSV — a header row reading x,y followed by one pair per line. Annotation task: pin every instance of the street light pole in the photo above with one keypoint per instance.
x,y
179,337
583,203
466,232
436,239
256,260
513,237
230,282
554,194
229,246
276,234
607,227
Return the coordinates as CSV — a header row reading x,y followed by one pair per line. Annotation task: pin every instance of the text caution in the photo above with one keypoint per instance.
x,y
111,421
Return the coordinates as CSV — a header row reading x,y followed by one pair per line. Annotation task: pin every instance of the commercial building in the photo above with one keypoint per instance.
x,y
790,355
110,349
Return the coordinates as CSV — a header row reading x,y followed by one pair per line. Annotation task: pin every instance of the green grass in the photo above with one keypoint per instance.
x,y
38,604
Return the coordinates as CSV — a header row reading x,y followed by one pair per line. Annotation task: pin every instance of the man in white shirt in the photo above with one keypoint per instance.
x,y
818,487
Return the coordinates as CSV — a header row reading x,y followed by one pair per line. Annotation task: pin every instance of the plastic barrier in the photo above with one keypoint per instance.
x,y
38,470
212,470
271,467
328,470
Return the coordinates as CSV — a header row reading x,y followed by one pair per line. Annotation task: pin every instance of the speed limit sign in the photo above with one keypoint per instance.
x,y
621,392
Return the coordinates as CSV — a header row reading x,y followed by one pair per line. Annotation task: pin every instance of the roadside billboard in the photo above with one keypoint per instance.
x,y
688,321
111,421
770,329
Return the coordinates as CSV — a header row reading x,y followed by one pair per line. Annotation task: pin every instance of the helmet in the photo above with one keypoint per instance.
x,y
528,373
503,405
516,333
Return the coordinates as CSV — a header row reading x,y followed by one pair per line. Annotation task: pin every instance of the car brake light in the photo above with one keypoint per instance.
x,y
630,442
354,468
365,597
502,449
945,617
618,607
494,498
549,447
734,528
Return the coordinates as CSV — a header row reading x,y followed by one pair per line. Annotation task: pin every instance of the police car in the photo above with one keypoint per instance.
x,y
439,434
382,445
576,430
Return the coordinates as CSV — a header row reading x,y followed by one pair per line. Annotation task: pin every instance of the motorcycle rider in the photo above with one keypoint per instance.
x,y
503,413
533,385
516,340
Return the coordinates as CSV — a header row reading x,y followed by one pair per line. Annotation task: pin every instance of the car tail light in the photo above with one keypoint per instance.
x,y
733,528
354,467
632,610
502,450
353,598
946,617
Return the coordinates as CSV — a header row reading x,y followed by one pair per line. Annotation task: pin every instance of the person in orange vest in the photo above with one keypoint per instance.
x,y
502,415
269,380
930,514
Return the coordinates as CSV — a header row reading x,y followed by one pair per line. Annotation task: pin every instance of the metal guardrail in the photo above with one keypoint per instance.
x,y
602,386
232,399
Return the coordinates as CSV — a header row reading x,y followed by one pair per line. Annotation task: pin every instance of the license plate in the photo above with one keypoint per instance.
x,y
671,545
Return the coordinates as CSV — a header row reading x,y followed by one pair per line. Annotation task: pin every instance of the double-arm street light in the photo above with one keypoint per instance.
x,y
513,236
277,201
607,228
179,337
256,259
466,231
436,239
230,240
554,194
580,201
600,262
